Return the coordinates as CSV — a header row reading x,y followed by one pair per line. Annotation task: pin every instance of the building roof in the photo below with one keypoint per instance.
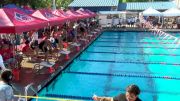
x,y
115,12
94,3
110,12
146,5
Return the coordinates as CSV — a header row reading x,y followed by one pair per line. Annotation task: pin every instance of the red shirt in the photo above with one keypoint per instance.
x,y
57,34
7,54
25,48
85,33
65,44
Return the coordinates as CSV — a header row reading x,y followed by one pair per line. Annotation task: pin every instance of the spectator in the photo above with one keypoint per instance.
x,y
2,66
6,91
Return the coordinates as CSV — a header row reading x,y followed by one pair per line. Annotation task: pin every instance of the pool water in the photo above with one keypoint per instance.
x,y
118,59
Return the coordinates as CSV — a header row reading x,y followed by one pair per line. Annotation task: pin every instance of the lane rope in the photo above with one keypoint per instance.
x,y
132,53
138,42
132,62
69,96
45,98
132,47
126,38
124,75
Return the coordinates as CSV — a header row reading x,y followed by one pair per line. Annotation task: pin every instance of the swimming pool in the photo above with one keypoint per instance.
x,y
118,59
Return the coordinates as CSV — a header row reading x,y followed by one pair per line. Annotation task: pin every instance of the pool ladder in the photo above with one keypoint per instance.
x,y
26,89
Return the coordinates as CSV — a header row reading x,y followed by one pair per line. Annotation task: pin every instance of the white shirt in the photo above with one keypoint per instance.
x,y
6,92
35,36
2,63
52,40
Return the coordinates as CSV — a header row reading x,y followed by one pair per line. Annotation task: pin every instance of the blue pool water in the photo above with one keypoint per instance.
x,y
118,59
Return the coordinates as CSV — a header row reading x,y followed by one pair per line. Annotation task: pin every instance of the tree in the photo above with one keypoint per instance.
x,y
63,3
37,3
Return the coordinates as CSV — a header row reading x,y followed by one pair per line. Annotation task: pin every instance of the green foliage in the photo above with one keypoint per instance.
x,y
63,3
37,3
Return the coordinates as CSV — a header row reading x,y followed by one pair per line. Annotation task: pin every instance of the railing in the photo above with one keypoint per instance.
x,y
42,98
25,97
26,89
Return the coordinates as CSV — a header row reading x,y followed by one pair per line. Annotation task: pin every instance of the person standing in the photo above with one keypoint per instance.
x,y
6,91
2,66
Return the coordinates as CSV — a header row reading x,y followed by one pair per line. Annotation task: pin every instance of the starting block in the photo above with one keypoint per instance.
x,y
41,65
94,32
90,35
83,39
97,30
76,44
65,51
47,64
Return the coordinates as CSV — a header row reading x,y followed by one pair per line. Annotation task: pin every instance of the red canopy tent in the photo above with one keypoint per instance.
x,y
75,14
14,21
62,11
84,13
48,16
28,8
69,16
57,13
90,12
39,15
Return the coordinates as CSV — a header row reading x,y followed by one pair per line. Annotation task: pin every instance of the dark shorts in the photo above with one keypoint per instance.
x,y
36,43
56,40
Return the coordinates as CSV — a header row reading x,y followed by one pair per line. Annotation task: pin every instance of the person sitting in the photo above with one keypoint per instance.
x,y
27,50
8,56
132,92
26,47
6,91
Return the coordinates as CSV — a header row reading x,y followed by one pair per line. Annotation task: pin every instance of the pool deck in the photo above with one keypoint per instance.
x,y
40,80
